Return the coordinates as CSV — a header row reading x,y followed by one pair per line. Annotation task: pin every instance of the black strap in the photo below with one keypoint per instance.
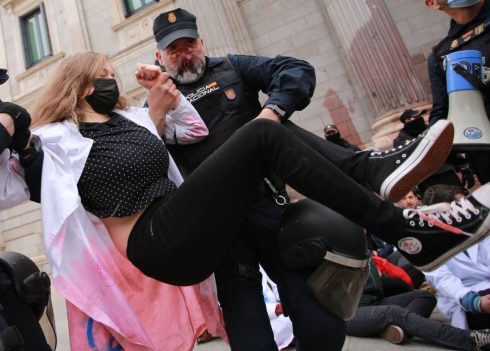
x,y
477,83
470,35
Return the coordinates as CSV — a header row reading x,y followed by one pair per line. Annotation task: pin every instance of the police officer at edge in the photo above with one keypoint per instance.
x,y
469,30
224,90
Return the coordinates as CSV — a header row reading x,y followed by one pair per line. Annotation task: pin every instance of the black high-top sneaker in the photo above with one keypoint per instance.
x,y
434,234
393,173
480,339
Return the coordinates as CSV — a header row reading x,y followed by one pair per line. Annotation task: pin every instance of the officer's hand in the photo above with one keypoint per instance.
x,y
20,140
269,114
467,175
20,116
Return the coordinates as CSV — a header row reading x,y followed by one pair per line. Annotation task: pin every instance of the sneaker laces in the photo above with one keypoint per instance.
x,y
388,151
480,338
444,214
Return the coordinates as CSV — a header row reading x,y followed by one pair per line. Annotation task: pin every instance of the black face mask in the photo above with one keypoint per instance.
x,y
415,127
104,98
334,138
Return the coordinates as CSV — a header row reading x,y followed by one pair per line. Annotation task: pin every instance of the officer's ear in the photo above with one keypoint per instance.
x,y
433,4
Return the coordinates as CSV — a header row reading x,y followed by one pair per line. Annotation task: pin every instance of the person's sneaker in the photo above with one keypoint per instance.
x,y
480,339
393,334
434,234
393,173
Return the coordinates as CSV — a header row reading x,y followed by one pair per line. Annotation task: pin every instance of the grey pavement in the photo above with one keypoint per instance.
x,y
351,343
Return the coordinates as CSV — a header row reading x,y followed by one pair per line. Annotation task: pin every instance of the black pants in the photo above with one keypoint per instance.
x,y
18,313
410,311
240,290
181,240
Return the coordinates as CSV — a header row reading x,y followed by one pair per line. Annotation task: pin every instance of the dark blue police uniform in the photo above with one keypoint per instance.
x,y
226,97
479,160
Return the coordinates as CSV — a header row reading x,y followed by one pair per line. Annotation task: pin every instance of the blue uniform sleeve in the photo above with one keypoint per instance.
x,y
440,99
288,82
33,166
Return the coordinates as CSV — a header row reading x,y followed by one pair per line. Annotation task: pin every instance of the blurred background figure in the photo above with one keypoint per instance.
x,y
332,134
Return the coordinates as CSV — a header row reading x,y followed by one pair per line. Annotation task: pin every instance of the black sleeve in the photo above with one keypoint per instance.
x,y
440,99
5,138
289,82
33,166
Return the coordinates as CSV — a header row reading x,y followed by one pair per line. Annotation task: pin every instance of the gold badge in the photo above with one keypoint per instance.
x,y
171,17
230,94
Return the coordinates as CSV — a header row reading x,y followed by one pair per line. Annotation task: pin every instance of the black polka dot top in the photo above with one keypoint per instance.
x,y
126,169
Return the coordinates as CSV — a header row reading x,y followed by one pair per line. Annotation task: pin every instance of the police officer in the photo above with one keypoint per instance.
x,y
19,327
469,29
224,90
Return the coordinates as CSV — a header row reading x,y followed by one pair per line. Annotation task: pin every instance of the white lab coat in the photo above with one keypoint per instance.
x,y
281,325
457,277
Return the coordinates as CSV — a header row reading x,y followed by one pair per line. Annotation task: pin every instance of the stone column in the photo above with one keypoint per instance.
x,y
221,25
376,56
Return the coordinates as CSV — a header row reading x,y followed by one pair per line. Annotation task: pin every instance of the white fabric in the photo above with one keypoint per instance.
x,y
281,325
458,276
87,268
13,188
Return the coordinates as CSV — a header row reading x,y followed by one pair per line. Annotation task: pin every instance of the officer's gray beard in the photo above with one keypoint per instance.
x,y
190,75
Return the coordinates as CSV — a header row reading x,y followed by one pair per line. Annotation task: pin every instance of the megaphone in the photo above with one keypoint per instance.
x,y
464,70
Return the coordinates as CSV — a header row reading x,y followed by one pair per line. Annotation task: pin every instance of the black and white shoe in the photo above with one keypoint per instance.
x,y
434,234
480,339
393,173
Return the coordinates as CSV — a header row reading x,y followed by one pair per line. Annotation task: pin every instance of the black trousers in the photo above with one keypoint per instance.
x,y
181,240
240,290
410,311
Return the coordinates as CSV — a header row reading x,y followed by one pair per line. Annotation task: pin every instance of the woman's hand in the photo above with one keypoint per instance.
x,y
162,97
147,75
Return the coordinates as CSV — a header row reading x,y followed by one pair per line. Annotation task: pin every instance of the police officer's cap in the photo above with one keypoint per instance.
x,y
172,25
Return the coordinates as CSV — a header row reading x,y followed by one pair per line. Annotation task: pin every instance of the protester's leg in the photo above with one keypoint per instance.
x,y
420,302
190,232
391,173
372,320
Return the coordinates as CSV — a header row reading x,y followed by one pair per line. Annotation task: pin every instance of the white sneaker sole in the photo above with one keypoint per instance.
x,y
428,157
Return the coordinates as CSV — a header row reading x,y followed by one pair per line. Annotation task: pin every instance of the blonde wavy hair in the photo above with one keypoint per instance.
x,y
63,97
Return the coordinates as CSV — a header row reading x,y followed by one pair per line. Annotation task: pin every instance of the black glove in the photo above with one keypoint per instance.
x,y
22,118
467,175
20,140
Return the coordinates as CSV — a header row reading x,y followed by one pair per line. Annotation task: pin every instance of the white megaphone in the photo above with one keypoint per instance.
x,y
466,107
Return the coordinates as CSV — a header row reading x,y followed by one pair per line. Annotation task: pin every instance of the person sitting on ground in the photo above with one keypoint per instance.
x,y
332,134
407,314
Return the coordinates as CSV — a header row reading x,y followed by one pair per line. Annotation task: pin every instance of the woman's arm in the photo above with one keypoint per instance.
x,y
184,125
163,96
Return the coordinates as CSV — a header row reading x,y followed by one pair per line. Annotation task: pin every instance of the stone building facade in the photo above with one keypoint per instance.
x,y
369,55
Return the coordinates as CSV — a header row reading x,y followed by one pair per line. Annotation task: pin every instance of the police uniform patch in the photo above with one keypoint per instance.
x,y
202,92
171,17
230,94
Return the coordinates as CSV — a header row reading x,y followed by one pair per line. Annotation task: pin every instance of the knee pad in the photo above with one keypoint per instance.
x,y
31,285
312,235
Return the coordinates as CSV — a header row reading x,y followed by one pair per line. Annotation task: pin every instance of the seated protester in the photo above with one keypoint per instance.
x,y
463,287
281,324
443,193
332,134
414,124
410,200
398,317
